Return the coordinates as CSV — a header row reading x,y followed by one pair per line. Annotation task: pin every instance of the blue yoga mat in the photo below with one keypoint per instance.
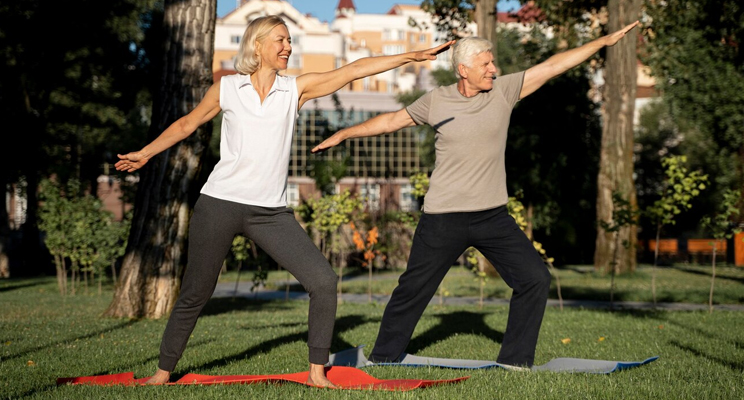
x,y
354,357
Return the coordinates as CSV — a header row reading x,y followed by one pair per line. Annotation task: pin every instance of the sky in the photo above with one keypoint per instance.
x,y
324,9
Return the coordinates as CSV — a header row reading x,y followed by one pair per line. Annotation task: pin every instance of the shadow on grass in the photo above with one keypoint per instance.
x,y
20,285
736,343
59,342
459,322
223,305
349,275
734,366
342,324
601,294
708,274
347,323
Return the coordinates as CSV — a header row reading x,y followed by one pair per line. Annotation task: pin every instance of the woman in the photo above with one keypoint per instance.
x,y
246,192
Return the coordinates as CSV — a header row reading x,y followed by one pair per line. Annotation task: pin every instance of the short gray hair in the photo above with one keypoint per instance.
x,y
465,49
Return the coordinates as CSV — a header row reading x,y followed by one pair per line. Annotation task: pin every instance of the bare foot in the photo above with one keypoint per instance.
x,y
318,377
160,377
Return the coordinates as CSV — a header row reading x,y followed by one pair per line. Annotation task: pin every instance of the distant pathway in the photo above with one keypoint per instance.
x,y
227,289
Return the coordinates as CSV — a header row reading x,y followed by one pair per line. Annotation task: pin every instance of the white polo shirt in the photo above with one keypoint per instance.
x,y
255,142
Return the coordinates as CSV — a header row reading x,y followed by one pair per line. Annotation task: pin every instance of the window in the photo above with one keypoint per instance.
x,y
293,194
295,61
371,193
390,50
422,38
235,39
407,201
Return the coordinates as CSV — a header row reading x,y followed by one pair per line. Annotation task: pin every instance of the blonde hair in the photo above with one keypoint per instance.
x,y
465,49
248,61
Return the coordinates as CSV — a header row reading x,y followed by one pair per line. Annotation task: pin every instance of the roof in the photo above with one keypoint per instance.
x,y
342,4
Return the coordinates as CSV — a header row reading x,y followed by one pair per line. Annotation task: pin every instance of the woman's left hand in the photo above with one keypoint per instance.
x,y
431,54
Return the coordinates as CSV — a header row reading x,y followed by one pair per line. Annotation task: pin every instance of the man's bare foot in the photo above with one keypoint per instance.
x,y
159,378
317,377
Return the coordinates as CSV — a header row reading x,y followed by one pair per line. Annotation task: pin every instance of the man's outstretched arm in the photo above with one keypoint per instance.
x,y
556,65
383,123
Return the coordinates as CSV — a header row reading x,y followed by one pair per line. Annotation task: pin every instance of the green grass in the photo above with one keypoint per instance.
x,y
44,336
684,283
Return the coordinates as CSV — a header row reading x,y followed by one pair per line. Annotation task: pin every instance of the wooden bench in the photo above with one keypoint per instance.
x,y
701,250
667,247
705,246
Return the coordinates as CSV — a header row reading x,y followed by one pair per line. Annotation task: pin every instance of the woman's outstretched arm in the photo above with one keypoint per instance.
x,y
314,85
207,109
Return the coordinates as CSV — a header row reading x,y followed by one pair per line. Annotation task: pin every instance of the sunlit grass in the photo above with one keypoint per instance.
x,y
683,283
45,336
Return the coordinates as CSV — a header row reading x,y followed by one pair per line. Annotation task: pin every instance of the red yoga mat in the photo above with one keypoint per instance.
x,y
342,377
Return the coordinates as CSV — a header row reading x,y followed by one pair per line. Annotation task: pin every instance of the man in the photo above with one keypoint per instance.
x,y
466,202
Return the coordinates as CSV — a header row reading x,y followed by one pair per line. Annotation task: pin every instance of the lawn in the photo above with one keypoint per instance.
x,y
681,283
44,336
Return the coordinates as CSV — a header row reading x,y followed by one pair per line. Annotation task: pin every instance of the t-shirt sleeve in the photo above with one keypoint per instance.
x,y
511,86
419,110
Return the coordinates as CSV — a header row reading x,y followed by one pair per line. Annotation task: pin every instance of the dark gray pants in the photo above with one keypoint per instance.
x,y
439,240
213,226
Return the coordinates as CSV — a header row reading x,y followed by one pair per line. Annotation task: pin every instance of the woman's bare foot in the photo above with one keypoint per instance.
x,y
159,378
318,377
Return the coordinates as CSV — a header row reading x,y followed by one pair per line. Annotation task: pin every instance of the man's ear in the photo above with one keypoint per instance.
x,y
462,70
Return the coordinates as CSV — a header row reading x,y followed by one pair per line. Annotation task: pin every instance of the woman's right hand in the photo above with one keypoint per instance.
x,y
131,162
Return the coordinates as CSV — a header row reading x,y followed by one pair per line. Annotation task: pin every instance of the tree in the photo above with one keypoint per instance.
x,y
156,252
552,146
616,155
623,215
723,227
694,51
592,17
69,81
680,187
451,18
79,229
327,216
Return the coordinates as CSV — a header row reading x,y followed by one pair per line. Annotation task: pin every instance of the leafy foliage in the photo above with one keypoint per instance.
x,y
77,228
723,227
680,187
624,214
450,17
420,184
695,54
722,224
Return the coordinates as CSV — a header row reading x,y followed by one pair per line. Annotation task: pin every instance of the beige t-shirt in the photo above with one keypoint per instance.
x,y
470,142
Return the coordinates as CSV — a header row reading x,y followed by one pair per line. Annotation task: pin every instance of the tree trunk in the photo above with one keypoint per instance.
x,y
712,279
485,18
4,229
156,252
616,157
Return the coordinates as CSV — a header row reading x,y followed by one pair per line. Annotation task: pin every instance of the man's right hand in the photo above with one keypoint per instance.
x,y
334,140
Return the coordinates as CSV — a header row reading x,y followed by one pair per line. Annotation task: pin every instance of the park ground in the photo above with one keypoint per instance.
x,y
44,336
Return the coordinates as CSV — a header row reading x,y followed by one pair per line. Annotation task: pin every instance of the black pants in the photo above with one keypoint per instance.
x,y
439,240
213,226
